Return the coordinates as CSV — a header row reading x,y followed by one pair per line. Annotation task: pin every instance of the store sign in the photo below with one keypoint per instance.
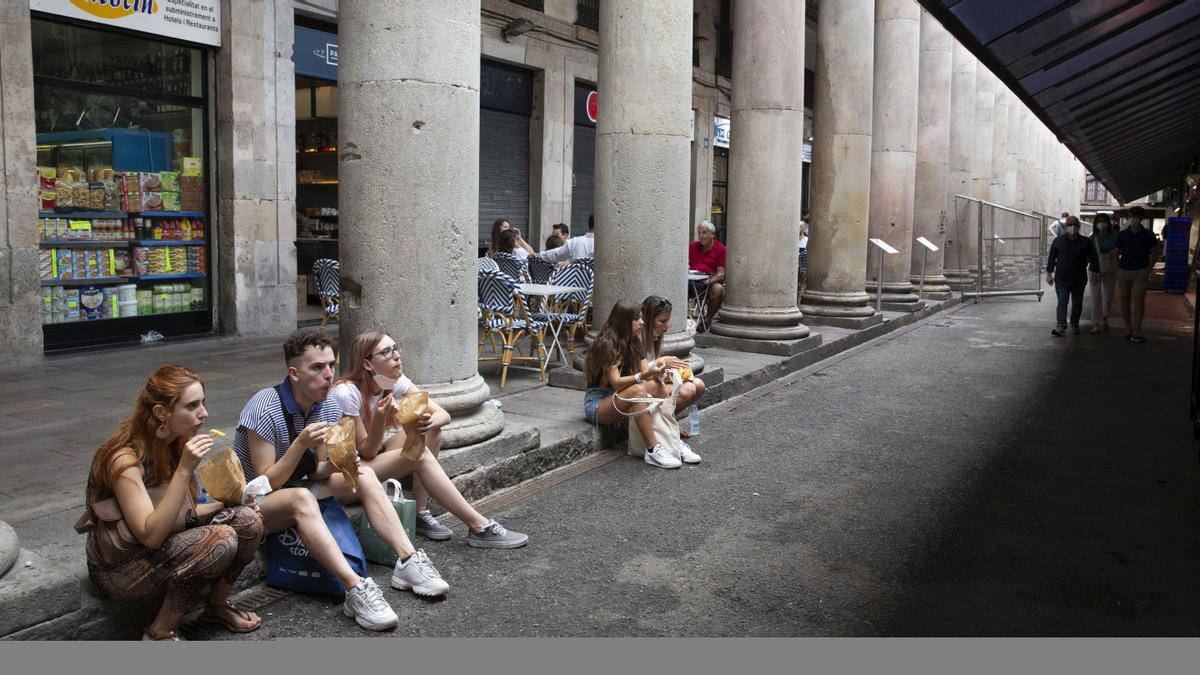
x,y
196,21
720,132
315,54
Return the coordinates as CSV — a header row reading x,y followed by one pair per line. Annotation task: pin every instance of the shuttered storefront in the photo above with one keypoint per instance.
x,y
506,103
583,183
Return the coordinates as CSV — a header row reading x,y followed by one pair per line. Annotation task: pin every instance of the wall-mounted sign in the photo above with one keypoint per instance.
x,y
720,132
196,21
315,54
593,106
807,153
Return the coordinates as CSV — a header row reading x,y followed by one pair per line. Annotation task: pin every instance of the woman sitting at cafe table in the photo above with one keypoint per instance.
x,y
153,455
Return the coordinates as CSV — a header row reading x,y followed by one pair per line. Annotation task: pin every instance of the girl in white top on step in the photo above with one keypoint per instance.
x,y
376,375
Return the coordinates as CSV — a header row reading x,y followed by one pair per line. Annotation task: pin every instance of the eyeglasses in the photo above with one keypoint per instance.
x,y
387,352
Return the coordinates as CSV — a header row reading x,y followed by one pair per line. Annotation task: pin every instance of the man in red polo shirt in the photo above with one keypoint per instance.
x,y
707,255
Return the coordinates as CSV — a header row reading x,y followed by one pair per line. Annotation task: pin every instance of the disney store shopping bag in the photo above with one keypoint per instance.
x,y
290,564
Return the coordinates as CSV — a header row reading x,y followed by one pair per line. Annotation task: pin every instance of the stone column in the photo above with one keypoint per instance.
x,y
1022,145
841,168
931,219
408,127
962,145
764,172
981,168
894,149
256,169
643,158
20,302
998,190
1012,147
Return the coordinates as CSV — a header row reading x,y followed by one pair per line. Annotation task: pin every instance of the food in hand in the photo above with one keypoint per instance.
x,y
340,442
216,433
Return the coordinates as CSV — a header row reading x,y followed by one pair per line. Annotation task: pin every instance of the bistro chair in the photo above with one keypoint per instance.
x,y
486,263
503,313
570,308
540,270
329,287
513,266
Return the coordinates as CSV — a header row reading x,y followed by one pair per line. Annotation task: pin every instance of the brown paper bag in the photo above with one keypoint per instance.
x,y
339,441
411,407
223,477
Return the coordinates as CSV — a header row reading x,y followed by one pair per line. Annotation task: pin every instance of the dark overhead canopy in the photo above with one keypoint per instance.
x,y
1118,81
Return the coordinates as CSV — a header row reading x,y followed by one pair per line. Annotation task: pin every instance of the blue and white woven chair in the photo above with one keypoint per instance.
x,y
540,270
571,308
329,287
486,263
513,266
503,313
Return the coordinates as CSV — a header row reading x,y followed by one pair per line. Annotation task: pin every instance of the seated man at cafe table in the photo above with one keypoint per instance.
x,y
707,256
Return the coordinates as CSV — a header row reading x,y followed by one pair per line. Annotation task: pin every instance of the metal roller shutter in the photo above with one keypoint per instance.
x,y
583,185
503,171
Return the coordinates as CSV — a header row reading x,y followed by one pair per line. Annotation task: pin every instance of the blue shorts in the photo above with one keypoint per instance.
x,y
592,400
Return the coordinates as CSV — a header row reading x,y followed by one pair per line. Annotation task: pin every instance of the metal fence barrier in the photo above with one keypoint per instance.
x,y
1004,248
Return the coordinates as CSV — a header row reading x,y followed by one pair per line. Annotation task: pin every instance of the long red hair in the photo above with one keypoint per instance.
x,y
364,345
157,457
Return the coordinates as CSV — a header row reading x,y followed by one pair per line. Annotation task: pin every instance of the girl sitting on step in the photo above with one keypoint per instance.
x,y
191,553
376,376
657,314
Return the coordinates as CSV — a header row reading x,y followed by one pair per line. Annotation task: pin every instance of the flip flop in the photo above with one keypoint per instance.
x,y
208,617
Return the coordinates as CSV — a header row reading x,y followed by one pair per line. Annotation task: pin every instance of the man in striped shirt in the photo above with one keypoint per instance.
x,y
281,435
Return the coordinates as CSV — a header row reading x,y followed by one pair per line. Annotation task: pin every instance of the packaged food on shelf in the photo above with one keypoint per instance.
x,y
170,201
131,202
66,263
152,201
151,182
45,265
170,181
193,166
95,197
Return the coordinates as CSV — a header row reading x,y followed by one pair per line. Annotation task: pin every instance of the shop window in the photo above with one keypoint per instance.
x,y
587,14
1096,192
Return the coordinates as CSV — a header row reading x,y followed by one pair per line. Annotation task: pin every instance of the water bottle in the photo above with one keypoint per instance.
x,y
202,497
694,419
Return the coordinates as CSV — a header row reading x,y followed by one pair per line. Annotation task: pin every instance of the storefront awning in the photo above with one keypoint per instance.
x,y
1117,80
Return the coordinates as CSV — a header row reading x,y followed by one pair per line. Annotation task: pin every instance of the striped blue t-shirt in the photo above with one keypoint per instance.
x,y
264,415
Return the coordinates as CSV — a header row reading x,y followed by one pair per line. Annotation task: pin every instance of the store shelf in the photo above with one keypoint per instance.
x,y
169,277
82,215
169,242
82,282
84,243
306,153
329,181
170,214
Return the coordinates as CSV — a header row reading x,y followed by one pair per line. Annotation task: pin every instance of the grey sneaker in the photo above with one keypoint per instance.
x,y
366,605
431,528
418,575
494,535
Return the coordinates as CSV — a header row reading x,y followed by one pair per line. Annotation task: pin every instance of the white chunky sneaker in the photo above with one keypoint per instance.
x,y
686,454
366,605
418,575
658,456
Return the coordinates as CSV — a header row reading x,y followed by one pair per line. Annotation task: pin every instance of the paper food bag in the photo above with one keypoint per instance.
x,y
223,477
339,441
411,407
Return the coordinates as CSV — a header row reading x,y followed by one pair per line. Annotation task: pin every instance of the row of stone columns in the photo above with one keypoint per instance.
x,y
905,119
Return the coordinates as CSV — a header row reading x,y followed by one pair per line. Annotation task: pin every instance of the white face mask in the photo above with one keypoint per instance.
x,y
385,383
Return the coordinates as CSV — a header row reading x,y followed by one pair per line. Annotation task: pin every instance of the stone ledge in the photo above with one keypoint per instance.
x,y
36,590
857,323
773,347
903,306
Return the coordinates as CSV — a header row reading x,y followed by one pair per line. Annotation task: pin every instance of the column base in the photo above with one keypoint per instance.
x,y
470,421
760,345
760,323
936,287
902,306
847,309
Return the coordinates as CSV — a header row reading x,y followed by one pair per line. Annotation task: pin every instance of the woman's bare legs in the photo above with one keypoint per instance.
x,y
380,512
296,506
392,464
609,413
433,442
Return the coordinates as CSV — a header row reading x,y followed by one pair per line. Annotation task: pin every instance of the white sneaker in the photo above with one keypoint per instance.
x,y
366,605
686,454
658,456
418,575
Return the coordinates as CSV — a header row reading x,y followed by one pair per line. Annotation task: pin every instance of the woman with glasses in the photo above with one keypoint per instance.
x,y
371,392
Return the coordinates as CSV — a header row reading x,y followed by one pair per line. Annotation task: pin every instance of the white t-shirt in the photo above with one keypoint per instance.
x,y
349,398
576,248
520,253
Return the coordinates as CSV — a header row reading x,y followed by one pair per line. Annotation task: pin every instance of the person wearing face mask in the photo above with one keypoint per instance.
x,y
1071,256
1105,241
1137,251
376,376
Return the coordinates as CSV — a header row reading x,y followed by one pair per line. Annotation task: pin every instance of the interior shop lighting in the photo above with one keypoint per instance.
x,y
76,144
516,27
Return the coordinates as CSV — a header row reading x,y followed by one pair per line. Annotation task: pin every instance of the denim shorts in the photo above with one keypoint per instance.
x,y
592,400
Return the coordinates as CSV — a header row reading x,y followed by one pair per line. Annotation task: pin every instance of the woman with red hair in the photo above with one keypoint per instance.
x,y
148,467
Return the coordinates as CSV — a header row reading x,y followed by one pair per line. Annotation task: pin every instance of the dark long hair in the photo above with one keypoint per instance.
x,y
158,458
653,307
615,345
495,242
